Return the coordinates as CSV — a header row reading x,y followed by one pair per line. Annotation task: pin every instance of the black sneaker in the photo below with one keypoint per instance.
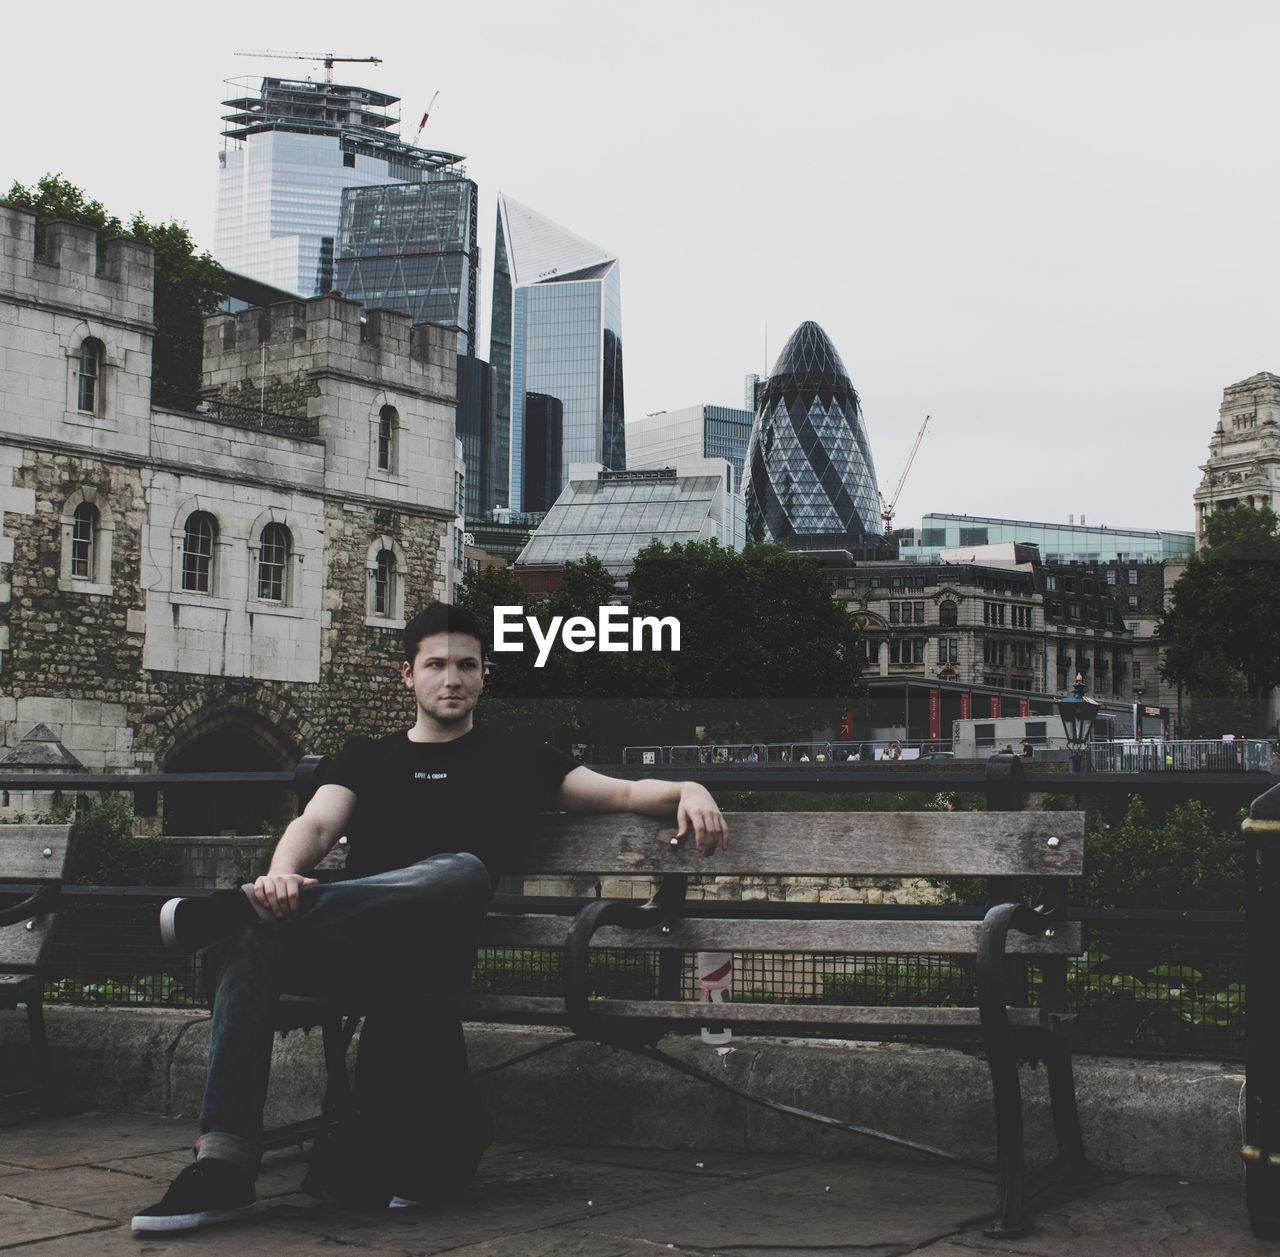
x,y
206,1192
187,925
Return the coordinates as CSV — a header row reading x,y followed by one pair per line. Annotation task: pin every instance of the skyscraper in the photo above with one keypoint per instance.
x,y
291,150
412,247
556,349
810,482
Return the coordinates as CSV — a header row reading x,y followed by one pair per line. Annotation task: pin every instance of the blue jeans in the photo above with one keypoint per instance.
x,y
402,943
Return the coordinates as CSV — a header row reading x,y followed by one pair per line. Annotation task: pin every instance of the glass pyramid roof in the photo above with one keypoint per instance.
x,y
540,251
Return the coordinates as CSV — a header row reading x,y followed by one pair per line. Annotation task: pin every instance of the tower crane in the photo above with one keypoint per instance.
x,y
887,508
417,135
326,58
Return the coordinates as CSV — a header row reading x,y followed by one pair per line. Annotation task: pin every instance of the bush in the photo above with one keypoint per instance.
x,y
612,975
106,851
903,982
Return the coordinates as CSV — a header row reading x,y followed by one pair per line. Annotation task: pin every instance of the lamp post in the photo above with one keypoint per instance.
x,y
1078,714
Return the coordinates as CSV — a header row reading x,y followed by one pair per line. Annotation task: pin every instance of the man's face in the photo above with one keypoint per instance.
x,y
446,676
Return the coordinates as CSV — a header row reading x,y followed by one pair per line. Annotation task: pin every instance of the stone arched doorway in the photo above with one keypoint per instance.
x,y
229,742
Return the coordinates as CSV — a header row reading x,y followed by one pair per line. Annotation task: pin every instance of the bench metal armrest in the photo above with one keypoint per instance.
x,y
992,954
32,906
666,904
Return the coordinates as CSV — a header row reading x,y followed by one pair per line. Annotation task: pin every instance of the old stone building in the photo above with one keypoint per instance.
x,y
1244,451
221,589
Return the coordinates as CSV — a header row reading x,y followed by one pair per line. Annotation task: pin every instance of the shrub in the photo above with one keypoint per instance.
x,y
108,853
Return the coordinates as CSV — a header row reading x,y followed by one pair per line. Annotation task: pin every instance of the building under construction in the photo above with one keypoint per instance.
x,y
290,148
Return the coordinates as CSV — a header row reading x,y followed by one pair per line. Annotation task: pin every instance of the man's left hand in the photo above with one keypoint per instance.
x,y
697,810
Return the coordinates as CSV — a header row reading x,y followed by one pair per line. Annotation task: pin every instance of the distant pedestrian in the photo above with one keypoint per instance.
x,y
1027,749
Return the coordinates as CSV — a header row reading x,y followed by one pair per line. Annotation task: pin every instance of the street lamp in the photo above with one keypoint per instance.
x,y
1078,714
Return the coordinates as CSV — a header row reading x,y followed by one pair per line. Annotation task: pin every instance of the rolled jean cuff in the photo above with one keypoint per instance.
x,y
222,1145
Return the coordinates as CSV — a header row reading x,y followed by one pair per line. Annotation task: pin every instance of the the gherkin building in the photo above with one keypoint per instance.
x,y
809,481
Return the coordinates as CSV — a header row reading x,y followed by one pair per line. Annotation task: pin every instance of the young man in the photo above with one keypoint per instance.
x,y
433,816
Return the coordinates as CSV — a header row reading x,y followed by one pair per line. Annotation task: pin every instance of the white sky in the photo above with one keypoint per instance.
x,y
1053,226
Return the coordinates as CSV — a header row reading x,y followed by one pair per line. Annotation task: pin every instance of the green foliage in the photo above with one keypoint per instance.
x,y
611,974
1224,614
903,982
153,988
1180,862
107,852
188,285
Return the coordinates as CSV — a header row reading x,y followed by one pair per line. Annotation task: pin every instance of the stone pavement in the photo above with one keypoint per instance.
x,y
68,1186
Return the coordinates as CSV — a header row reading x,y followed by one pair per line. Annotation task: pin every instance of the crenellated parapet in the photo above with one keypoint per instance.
x,y
297,341
115,280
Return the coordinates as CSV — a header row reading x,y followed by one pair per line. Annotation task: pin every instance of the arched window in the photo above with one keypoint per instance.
x,y
384,585
88,375
273,563
197,552
387,422
948,612
84,542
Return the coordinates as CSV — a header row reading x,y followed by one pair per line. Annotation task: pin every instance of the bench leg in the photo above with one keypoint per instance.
x,y
337,1090
51,1100
1010,1155
1066,1117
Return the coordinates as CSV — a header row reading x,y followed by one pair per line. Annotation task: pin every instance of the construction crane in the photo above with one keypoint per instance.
x,y
887,508
417,135
328,58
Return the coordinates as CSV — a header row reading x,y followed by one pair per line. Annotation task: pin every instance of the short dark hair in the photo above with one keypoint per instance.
x,y
440,617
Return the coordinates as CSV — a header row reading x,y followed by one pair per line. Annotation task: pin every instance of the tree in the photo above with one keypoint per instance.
x,y
188,285
765,649
1225,610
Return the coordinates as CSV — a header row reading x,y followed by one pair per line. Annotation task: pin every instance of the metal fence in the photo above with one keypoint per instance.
x,y
1149,983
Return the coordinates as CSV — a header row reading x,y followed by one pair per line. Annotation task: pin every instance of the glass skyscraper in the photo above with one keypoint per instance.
x,y
810,481
292,148
412,247
556,350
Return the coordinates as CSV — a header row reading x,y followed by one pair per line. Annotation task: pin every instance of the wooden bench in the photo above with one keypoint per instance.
x,y
31,855
1002,847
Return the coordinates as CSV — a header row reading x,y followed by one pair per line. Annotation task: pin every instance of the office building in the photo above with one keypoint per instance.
x,y
412,247
810,481
671,436
291,148
1071,542
556,350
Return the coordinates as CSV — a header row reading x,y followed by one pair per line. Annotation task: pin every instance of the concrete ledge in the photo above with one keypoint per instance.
x,y
1144,1117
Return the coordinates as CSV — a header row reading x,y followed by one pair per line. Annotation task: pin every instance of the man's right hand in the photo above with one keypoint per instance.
x,y
279,892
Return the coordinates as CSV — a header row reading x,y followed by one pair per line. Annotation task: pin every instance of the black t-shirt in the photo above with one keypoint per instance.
x,y
479,793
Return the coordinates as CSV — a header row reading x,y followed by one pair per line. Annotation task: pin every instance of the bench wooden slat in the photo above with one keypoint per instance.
x,y
22,848
822,844
868,937
22,948
549,1008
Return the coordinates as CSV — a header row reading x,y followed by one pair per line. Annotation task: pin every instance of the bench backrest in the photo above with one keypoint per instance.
x,y
30,855
1042,845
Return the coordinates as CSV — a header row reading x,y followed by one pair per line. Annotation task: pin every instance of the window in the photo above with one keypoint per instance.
x,y
1051,582
384,585
197,552
1037,731
1075,613
1137,671
993,653
993,613
273,563
1022,655
387,422
1021,617
84,536
1133,576
948,613
906,612
88,376
1093,615
1111,576
984,735
1133,602
906,650
948,649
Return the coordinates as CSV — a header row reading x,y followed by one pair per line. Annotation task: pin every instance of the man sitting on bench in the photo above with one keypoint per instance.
x,y
433,816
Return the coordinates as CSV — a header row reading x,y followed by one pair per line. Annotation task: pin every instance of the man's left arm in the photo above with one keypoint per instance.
x,y
695,810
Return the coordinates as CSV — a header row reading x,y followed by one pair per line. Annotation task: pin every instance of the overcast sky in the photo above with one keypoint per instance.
x,y
1052,226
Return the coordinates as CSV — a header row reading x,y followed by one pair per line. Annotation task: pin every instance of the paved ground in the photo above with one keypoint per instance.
x,y
68,1187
